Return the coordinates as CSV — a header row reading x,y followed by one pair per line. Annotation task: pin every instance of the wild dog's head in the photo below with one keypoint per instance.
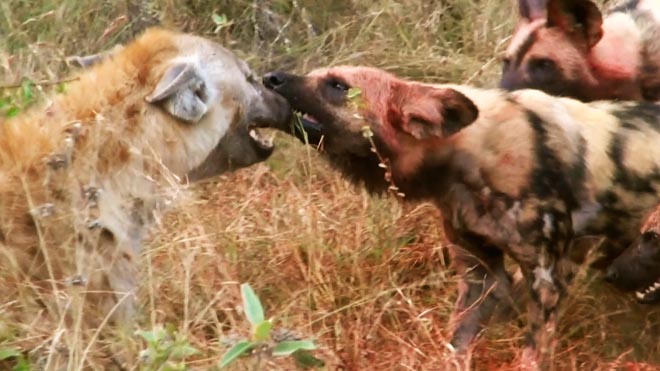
x,y
638,267
340,106
550,47
205,102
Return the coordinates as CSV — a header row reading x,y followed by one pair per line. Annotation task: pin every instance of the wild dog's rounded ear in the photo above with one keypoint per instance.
x,y
580,18
532,9
435,112
182,92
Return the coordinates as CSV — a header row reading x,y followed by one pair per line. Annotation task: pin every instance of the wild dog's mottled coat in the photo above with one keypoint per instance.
x,y
566,48
520,173
80,177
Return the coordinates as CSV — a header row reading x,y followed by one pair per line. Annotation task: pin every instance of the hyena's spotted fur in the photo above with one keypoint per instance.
x,y
81,177
523,174
566,48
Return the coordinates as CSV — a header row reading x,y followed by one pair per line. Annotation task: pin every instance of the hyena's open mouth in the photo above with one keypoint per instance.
x,y
261,142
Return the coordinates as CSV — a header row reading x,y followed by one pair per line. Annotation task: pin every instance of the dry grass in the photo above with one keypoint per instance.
x,y
366,276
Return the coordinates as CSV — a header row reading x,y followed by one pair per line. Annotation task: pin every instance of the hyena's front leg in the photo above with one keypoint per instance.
x,y
483,283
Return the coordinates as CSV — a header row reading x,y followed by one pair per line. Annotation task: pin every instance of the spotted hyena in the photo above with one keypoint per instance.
x,y
81,176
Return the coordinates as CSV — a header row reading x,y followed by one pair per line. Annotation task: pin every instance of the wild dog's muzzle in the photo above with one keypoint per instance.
x,y
305,127
638,269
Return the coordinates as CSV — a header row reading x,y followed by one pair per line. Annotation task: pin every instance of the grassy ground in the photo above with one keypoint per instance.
x,y
365,276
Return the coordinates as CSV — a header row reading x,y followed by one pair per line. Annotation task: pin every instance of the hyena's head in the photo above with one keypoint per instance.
x,y
549,49
201,106
638,267
356,114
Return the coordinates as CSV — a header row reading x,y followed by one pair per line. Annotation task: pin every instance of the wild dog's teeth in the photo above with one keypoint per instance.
x,y
640,295
656,285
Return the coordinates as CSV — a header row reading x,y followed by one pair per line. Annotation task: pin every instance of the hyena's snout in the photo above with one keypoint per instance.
x,y
270,110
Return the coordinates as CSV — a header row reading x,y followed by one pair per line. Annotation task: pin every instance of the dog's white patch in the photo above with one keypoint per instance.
x,y
584,215
548,229
542,274
514,211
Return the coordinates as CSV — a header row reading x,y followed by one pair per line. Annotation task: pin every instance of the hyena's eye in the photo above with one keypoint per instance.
x,y
542,68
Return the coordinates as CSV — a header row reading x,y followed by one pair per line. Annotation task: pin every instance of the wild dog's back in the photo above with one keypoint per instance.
x,y
611,155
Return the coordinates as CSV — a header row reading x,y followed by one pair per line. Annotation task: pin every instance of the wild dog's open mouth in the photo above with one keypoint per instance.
x,y
649,295
310,129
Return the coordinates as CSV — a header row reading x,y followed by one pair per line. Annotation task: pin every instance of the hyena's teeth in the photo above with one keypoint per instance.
x,y
640,295
254,135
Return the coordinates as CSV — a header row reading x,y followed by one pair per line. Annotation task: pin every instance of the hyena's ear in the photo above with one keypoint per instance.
x,y
182,92
532,9
436,113
579,18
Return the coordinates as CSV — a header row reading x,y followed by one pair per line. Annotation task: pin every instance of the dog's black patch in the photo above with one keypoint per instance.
x,y
549,179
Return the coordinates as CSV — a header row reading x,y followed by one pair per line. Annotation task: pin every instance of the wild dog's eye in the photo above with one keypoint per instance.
x,y
506,63
338,85
542,68
650,236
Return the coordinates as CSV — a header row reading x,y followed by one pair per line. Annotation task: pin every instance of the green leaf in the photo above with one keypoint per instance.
x,y
353,93
219,20
6,353
286,348
148,336
61,88
251,305
306,360
183,351
262,331
13,112
28,94
22,365
235,352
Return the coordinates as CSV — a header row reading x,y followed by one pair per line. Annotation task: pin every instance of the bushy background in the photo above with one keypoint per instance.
x,y
366,276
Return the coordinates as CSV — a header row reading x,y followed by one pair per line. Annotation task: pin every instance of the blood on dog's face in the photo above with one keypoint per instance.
x,y
339,104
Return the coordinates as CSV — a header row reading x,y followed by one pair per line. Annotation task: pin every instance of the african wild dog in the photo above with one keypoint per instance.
x,y
566,48
81,177
638,267
520,173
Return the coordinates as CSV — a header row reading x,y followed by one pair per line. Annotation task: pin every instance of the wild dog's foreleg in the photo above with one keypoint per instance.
x,y
483,283
546,270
